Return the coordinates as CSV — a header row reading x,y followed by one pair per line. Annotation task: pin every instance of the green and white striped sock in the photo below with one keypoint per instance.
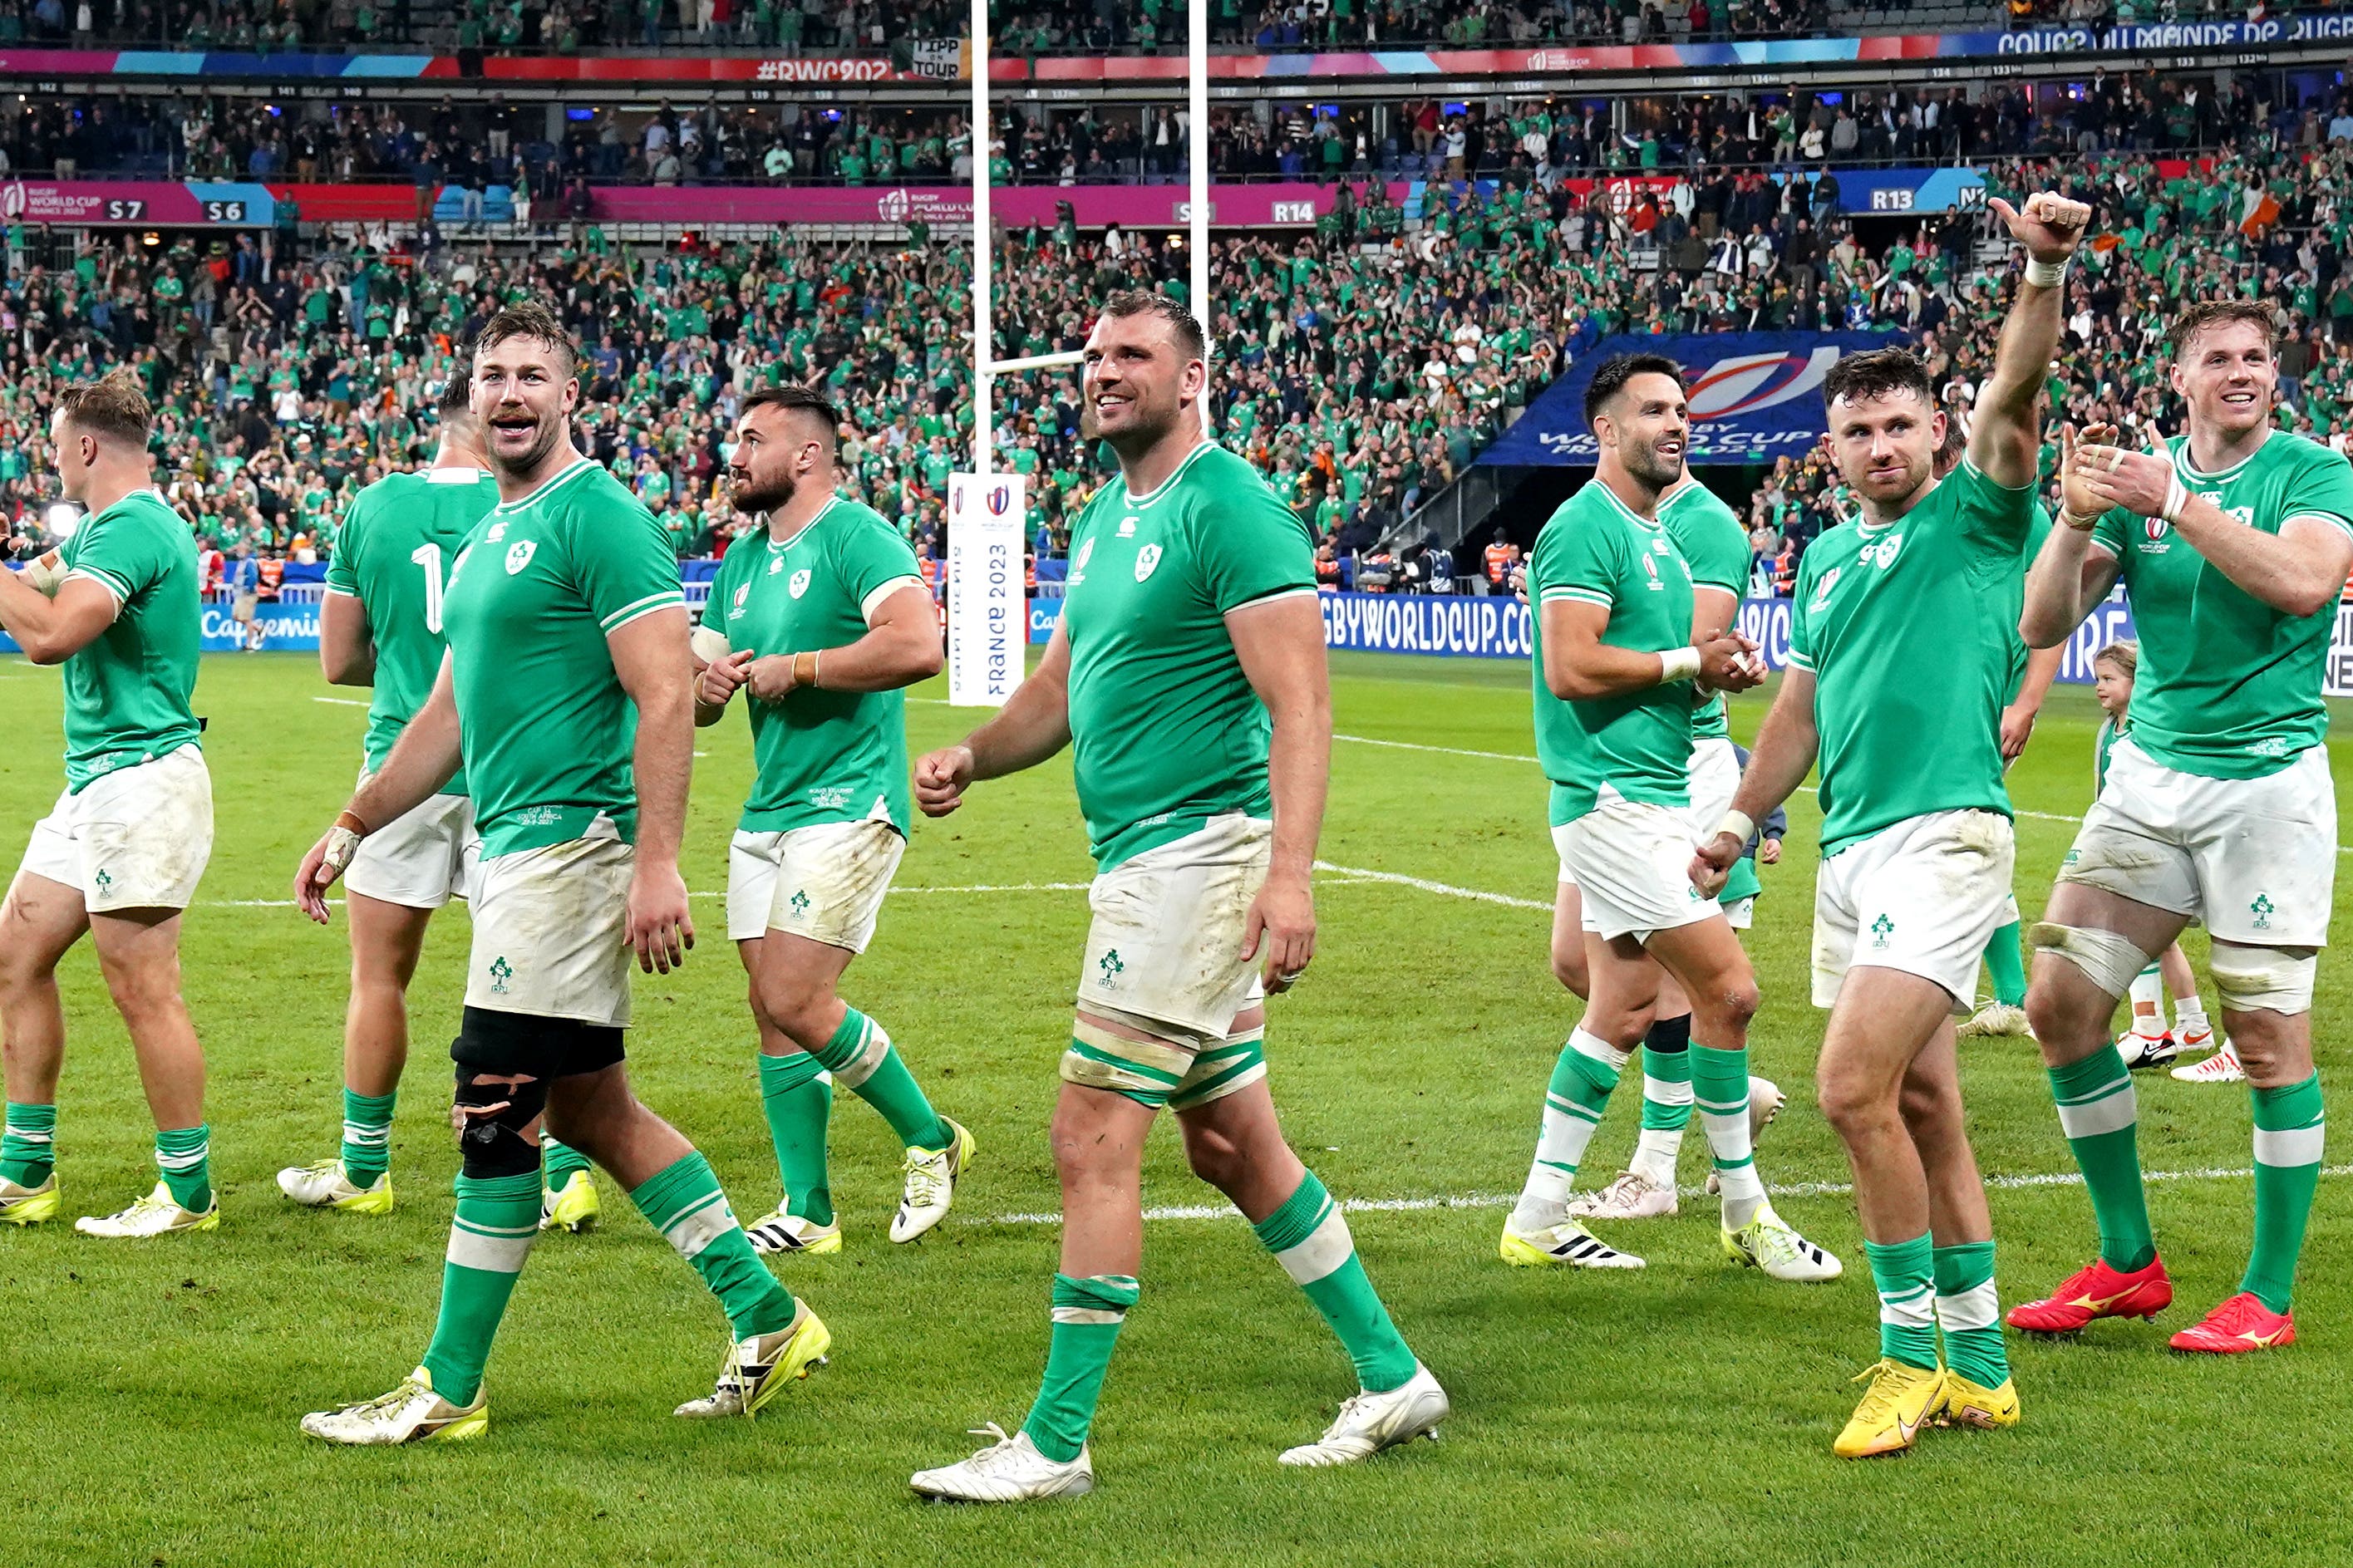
x,y
1309,1236
29,1146
1969,1312
1588,1070
183,1156
863,1061
2100,1114
1088,1313
489,1241
683,1201
367,1136
1905,1273
2290,1134
1666,1099
1720,1081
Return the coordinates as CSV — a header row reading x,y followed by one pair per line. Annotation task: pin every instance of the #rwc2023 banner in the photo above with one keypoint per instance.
x,y
1754,397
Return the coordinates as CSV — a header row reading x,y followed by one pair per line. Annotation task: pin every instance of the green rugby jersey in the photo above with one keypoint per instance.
x,y
1911,631
2102,745
820,757
127,691
546,729
1714,548
1165,731
394,554
2228,687
1596,550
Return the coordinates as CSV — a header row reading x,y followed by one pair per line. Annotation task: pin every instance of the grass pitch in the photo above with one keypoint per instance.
x,y
1679,1415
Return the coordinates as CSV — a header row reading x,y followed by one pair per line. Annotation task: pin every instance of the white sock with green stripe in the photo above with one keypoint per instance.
x,y
1582,1078
1720,1090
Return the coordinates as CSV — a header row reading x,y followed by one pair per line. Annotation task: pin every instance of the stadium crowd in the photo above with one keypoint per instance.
x,y
1036,27
1362,367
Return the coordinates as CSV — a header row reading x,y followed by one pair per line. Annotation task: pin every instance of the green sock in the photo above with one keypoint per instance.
x,y
1087,1316
558,1161
1970,1313
798,1102
489,1241
1720,1084
183,1155
1905,1274
1666,1099
28,1147
2006,967
683,1201
367,1135
2288,1137
2099,1113
1588,1070
863,1061
1309,1236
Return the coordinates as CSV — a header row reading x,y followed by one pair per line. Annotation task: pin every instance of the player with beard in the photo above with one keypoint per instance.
x,y
2233,541
1903,653
1188,673
819,621
567,695
1618,678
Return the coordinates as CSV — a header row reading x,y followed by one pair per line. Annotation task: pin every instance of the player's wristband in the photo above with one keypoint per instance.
x,y
1739,824
804,670
354,824
1677,663
2046,274
2177,499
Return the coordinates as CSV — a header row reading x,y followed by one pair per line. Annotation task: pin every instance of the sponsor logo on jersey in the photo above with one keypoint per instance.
x,y
799,585
1127,528
775,564
1146,560
498,532
518,555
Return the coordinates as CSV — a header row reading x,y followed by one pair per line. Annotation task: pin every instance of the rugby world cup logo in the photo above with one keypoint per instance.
x,y
1745,383
1000,497
13,201
2155,527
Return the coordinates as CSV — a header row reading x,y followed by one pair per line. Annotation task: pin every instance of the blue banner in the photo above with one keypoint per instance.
x,y
284,629
1755,396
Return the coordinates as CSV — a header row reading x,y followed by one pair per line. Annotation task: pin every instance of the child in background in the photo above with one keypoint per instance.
x,y
2148,1043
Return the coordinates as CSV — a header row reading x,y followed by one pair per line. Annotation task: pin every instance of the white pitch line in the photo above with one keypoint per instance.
x,y
1442,751
1363,874
1505,1200
339,701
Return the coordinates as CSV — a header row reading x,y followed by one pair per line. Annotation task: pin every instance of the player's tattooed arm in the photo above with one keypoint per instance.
x,y
2004,441
1033,725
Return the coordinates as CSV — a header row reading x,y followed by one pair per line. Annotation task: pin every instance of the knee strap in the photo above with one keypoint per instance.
x,y
2110,962
499,1142
2272,979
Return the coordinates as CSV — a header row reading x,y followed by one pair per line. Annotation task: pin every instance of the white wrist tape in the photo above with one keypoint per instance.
x,y
342,844
1739,824
2177,497
1677,663
2046,274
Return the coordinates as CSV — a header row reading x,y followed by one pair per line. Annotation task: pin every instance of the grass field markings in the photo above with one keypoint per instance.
x,y
1396,878
341,702
1442,751
1450,1201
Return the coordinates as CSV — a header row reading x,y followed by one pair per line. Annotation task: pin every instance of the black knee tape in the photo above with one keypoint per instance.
x,y
1668,1035
500,1144
506,1044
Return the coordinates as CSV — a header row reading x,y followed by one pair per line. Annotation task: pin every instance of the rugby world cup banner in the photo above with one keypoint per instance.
x,y
985,588
1754,397
1276,204
99,203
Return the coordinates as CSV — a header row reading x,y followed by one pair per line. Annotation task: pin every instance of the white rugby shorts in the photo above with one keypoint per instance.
x,y
136,838
825,881
1632,863
551,931
1924,896
421,859
1166,940
2253,859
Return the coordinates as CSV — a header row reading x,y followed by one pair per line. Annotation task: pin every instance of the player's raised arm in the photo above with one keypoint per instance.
x,y
1033,725
2004,443
1280,642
